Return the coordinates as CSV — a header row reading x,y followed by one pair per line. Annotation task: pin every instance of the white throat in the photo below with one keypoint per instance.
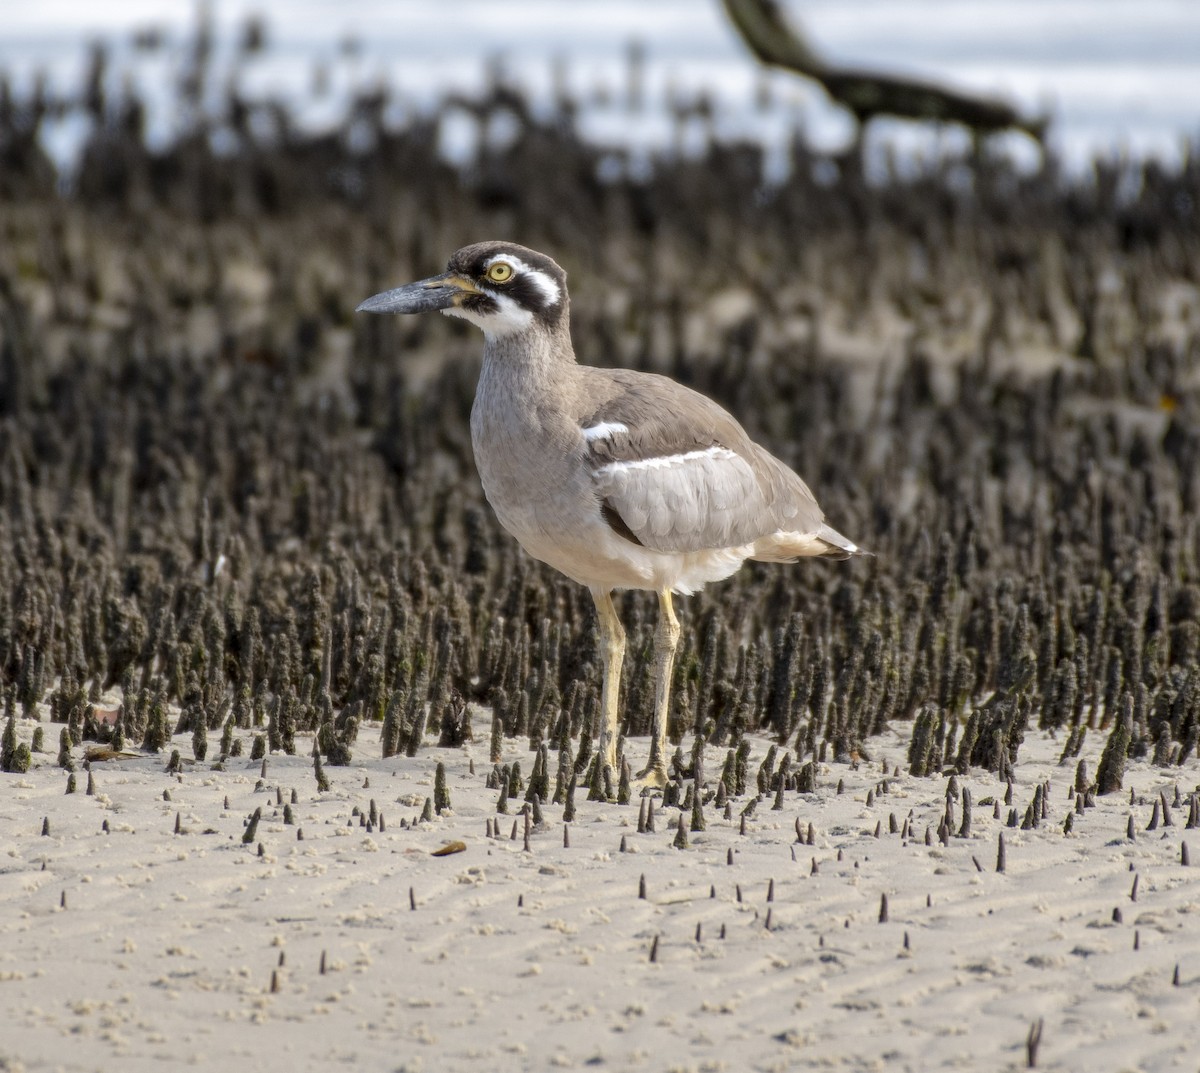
x,y
508,319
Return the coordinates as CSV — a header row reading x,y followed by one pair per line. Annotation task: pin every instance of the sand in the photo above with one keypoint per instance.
x,y
141,948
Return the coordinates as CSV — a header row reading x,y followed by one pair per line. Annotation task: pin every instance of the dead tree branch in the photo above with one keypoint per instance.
x,y
779,43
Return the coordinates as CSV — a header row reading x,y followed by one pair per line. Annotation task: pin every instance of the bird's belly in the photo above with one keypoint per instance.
x,y
565,529
558,523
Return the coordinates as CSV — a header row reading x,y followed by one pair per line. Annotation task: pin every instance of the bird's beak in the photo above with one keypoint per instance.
x,y
437,292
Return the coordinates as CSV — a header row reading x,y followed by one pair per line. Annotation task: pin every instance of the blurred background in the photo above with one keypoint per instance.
x,y
975,331
1115,76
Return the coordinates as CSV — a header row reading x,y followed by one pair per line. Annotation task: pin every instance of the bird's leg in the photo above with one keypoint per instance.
x,y
612,640
666,640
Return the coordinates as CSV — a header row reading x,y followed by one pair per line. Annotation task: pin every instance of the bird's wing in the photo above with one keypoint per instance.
x,y
675,472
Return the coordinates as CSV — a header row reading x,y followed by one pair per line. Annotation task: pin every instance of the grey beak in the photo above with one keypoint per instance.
x,y
437,292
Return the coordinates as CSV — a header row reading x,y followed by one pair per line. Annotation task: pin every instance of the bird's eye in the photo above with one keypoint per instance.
x,y
500,272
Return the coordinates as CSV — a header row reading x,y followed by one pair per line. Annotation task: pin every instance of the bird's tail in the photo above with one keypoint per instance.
x,y
825,543
836,545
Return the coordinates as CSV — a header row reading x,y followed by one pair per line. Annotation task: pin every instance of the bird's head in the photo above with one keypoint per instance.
x,y
501,287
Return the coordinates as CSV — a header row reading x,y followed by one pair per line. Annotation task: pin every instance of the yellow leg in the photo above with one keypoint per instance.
x,y
666,640
612,640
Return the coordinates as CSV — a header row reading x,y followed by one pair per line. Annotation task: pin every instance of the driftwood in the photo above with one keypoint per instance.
x,y
779,43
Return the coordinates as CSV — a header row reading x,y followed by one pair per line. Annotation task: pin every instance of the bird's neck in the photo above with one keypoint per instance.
x,y
528,363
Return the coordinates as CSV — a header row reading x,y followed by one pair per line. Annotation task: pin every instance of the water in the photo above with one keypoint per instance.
x,y
1117,76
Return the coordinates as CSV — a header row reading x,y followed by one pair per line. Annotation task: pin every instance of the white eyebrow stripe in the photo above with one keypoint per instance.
x,y
715,452
549,288
603,430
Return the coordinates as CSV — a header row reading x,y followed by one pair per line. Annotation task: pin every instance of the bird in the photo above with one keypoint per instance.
x,y
617,478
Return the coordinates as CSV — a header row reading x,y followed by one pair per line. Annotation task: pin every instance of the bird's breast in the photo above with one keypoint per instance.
x,y
531,467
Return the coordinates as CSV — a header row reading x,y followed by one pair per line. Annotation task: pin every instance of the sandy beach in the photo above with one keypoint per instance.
x,y
167,941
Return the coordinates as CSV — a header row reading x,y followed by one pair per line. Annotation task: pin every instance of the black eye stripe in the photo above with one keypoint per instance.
x,y
481,303
524,289
519,287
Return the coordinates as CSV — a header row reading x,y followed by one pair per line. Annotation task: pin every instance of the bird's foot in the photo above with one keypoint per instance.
x,y
652,777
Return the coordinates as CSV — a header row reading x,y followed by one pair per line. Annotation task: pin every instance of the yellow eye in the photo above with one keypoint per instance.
x,y
500,272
